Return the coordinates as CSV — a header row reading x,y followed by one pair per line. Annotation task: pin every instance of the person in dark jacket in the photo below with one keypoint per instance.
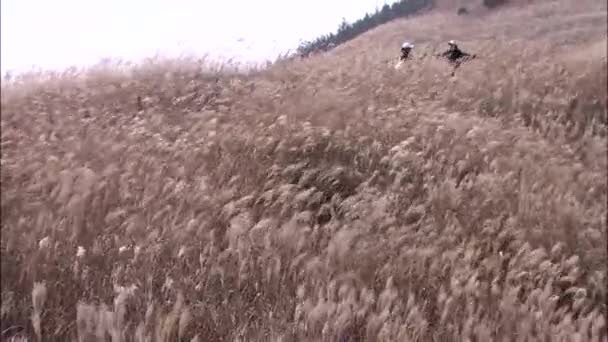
x,y
406,49
456,56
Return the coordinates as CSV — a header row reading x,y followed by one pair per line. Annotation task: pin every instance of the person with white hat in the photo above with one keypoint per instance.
x,y
406,48
454,53
456,56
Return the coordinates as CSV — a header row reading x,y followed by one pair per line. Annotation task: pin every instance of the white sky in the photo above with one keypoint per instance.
x,y
60,33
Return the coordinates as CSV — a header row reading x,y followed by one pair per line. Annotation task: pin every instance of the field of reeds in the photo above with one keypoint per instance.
x,y
326,199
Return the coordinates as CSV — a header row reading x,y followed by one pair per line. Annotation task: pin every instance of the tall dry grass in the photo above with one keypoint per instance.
x,y
327,199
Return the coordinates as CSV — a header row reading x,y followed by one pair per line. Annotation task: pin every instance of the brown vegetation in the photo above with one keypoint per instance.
x,y
326,199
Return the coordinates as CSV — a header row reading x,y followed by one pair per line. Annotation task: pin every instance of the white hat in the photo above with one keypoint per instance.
x,y
407,45
451,42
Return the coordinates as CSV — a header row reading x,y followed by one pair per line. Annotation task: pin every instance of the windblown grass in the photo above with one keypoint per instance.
x,y
327,199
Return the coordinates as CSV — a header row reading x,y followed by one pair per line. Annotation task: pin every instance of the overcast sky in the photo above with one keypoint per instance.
x,y
61,33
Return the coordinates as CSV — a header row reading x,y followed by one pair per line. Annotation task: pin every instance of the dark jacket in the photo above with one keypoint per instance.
x,y
454,53
405,53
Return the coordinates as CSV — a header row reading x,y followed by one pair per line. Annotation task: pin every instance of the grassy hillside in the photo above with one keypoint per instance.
x,y
325,199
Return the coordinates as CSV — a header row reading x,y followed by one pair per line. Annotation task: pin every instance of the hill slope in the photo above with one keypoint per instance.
x,y
325,199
